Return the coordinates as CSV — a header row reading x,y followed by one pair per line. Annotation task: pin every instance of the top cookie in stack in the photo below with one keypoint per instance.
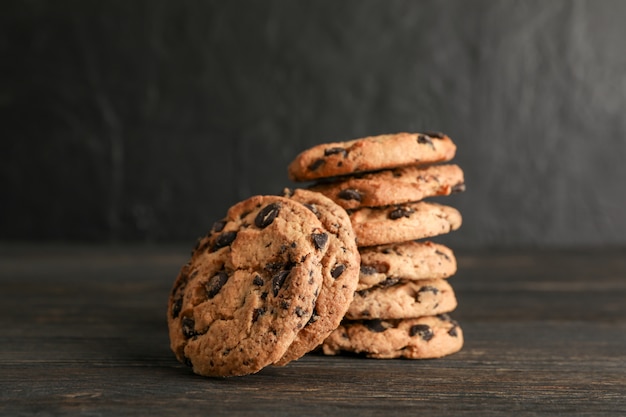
x,y
382,180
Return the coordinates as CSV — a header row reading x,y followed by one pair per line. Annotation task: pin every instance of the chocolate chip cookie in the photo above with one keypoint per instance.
x,y
340,272
251,285
402,223
393,186
371,154
388,264
418,338
403,299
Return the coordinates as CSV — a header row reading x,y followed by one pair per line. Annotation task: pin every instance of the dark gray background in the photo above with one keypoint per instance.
x,y
145,120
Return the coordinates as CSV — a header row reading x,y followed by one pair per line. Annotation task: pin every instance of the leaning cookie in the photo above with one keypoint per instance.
x,y
394,186
418,338
387,264
371,154
403,299
402,223
340,272
249,288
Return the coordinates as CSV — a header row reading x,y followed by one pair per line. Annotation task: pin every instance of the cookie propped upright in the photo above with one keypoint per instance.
x,y
249,288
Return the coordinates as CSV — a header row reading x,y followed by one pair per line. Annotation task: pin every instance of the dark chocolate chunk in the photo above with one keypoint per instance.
x,y
284,304
435,135
458,188
362,293
375,325
319,240
278,281
423,330
400,212
388,282
258,281
256,313
333,151
215,284
224,239
430,288
337,270
176,307
349,194
316,164
452,332
267,215
188,325
313,208
314,316
218,226
187,362
423,139
440,253
300,311
368,270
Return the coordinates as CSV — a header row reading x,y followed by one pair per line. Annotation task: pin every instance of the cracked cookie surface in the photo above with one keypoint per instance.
x,y
418,338
403,223
393,186
371,153
249,288
387,264
340,272
403,299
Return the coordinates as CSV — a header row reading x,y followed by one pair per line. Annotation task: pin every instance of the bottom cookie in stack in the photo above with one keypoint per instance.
x,y
401,307
417,338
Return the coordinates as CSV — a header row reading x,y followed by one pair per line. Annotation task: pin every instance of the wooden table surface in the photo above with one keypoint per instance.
x,y
83,332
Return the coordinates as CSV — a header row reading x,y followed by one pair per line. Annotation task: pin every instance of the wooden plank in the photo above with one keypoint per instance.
x,y
84,332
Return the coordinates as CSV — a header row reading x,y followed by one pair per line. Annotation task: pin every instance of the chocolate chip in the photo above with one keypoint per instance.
x,y
187,361
319,240
316,164
423,139
314,317
349,194
337,271
388,282
452,332
256,313
278,280
218,226
176,307
435,135
300,311
376,325
313,208
224,239
258,281
188,325
430,288
423,330
400,212
284,304
362,293
458,188
440,253
333,151
368,270
267,215
215,284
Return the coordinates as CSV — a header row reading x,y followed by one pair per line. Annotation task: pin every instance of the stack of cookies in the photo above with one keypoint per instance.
x,y
401,304
341,265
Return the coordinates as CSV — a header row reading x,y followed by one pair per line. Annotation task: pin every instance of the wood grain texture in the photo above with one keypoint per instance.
x,y
84,332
